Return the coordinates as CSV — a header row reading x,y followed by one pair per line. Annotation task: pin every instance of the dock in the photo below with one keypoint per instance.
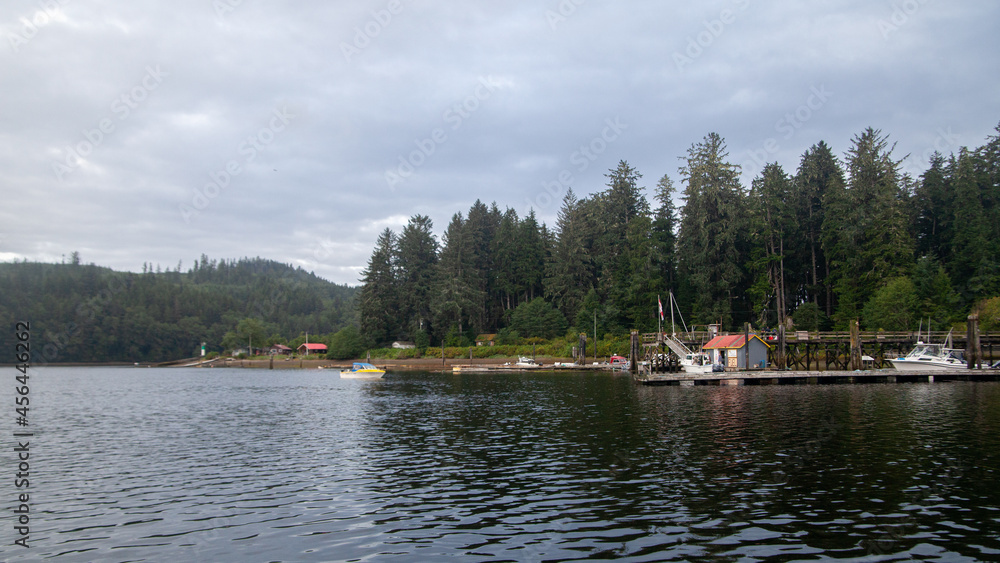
x,y
793,377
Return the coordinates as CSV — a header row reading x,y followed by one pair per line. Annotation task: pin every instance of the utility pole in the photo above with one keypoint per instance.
x,y
595,338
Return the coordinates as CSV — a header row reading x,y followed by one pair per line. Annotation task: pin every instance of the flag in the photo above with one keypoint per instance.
x,y
660,303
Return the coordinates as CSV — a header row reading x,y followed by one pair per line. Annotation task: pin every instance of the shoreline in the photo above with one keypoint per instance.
x,y
423,364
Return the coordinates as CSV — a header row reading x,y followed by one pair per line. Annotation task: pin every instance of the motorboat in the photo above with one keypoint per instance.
x,y
526,362
696,362
362,370
927,356
619,362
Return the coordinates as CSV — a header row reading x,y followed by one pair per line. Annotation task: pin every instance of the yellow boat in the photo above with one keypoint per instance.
x,y
362,370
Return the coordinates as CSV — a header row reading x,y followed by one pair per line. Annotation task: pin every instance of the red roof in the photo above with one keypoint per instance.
x,y
731,341
313,346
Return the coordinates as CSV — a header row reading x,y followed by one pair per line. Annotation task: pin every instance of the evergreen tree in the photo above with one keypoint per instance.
x,y
664,237
973,254
568,275
933,203
379,299
530,259
505,257
772,222
819,173
456,296
538,318
710,243
417,256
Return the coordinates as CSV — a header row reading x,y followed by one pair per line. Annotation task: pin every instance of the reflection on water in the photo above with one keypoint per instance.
x,y
243,465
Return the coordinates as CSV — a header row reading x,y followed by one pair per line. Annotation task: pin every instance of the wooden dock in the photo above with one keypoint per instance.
x,y
819,351
790,377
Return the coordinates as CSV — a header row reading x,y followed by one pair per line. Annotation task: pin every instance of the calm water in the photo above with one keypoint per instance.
x,y
245,465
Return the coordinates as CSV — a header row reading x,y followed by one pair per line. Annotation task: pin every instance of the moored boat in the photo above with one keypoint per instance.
x,y
362,370
927,356
696,362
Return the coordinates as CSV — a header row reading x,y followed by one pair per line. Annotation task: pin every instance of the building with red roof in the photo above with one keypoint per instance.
x,y
730,351
312,348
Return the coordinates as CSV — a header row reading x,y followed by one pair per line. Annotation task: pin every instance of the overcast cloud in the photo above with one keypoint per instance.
x,y
296,131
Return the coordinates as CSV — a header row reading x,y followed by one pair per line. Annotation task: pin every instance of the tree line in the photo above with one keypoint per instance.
x,y
88,313
837,239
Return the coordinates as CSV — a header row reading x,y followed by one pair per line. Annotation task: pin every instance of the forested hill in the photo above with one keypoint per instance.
x,y
87,313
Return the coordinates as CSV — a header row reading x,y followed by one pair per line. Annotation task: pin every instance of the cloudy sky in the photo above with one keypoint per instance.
x,y
297,131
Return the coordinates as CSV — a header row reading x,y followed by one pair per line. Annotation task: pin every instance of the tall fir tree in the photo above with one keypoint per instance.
x,y
378,302
819,173
456,296
710,243
772,228
568,275
417,257
664,237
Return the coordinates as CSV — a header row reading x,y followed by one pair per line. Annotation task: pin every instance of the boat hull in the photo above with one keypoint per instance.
x,y
917,365
347,374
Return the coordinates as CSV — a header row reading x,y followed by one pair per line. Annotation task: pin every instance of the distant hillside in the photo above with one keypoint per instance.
x,y
87,313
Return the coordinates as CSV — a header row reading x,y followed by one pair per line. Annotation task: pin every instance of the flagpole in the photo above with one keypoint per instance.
x,y
659,318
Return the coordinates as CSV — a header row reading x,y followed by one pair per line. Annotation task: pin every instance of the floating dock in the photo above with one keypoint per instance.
x,y
789,377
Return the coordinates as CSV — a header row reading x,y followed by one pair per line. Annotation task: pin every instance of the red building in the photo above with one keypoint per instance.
x,y
312,348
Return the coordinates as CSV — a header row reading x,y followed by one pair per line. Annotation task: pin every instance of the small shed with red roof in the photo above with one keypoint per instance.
x,y
312,348
729,351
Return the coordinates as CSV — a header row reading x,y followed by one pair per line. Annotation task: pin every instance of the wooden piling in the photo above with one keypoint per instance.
x,y
633,353
855,345
746,346
973,350
779,358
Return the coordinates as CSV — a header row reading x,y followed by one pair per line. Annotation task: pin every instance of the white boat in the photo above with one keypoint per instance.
x,y
362,370
696,362
525,362
926,357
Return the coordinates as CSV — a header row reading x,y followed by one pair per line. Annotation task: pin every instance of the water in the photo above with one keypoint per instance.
x,y
247,465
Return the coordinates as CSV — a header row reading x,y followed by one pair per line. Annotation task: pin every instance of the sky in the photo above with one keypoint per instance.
x,y
154,132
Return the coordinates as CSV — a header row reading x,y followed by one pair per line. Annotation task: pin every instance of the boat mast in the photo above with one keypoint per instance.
x,y
673,329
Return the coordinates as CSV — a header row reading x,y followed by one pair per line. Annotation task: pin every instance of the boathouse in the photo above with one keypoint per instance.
x,y
730,351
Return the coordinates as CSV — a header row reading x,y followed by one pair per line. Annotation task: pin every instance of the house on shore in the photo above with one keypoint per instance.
x,y
280,349
402,345
730,351
486,340
312,348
